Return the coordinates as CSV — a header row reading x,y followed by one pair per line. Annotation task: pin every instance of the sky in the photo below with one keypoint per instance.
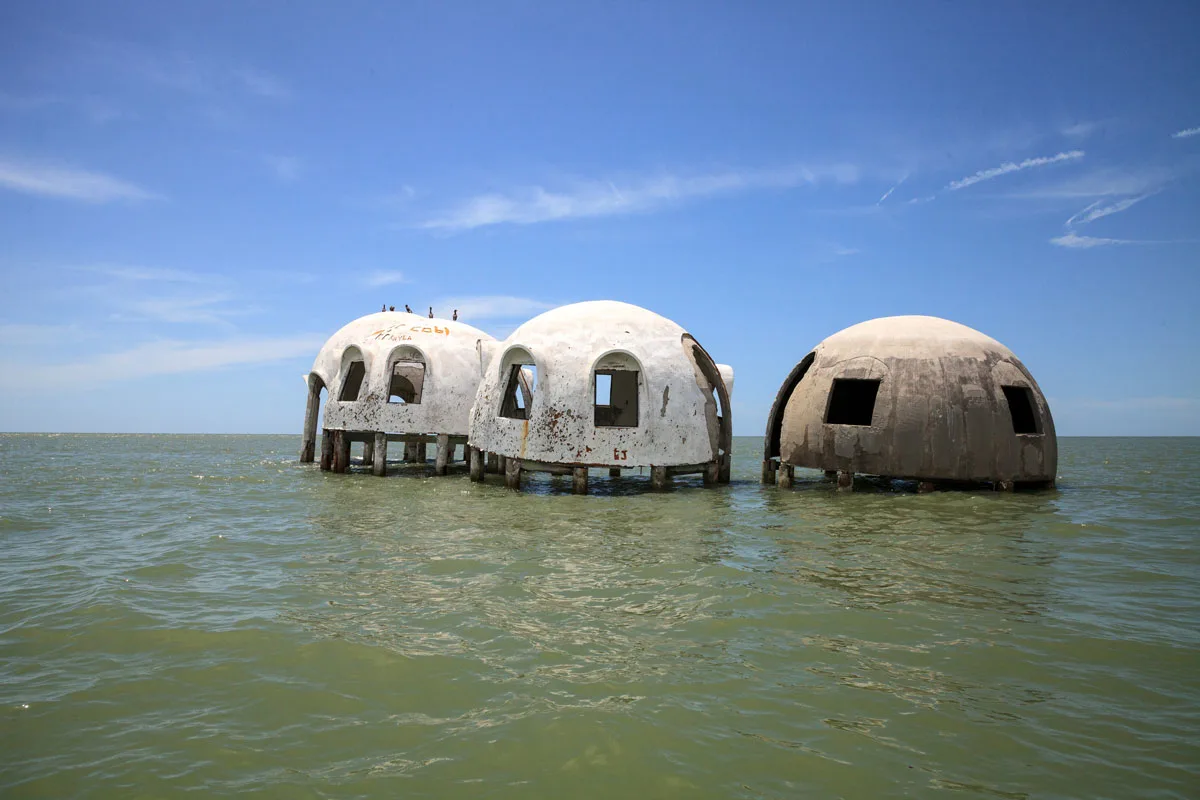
x,y
194,196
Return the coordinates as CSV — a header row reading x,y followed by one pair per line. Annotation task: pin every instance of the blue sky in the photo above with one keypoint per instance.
x,y
194,196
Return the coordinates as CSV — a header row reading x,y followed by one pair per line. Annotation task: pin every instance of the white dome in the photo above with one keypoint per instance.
x,y
661,411
447,356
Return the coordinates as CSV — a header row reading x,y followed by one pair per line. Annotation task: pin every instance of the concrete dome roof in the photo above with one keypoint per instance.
x,y
566,346
452,368
919,397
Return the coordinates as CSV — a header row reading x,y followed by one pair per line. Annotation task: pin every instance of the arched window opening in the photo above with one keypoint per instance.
x,y
519,388
352,383
407,380
616,392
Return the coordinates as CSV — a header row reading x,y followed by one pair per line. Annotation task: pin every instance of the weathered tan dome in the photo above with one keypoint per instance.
x,y
914,397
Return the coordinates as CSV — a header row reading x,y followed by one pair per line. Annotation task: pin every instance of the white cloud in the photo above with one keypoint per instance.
x,y
185,309
1074,240
502,307
385,278
1186,133
285,168
846,251
72,184
888,193
165,357
1095,211
1011,166
606,198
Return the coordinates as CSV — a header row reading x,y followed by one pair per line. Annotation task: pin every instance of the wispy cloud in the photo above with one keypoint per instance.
x,y
846,251
385,278
210,309
285,168
147,274
1186,133
262,84
1012,166
1080,130
607,198
1102,183
491,307
888,193
1075,241
1095,211
67,183
168,357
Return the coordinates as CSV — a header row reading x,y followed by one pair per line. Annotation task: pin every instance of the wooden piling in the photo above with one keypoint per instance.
x,y
379,453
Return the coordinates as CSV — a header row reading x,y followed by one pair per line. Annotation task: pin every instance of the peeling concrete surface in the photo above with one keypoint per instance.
x,y
566,345
452,372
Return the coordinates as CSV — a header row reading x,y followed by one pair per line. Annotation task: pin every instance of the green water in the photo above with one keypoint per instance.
x,y
203,613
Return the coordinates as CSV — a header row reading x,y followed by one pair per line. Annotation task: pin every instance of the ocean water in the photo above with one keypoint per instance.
x,y
204,613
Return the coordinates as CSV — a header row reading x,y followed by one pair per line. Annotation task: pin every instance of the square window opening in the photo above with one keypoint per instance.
x,y
616,398
518,393
352,385
1020,408
852,401
407,383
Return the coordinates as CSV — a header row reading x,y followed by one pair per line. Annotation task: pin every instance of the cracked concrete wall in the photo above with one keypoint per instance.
x,y
452,373
566,344
940,412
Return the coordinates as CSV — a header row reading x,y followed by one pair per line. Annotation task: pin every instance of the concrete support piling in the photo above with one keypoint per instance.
x,y
493,464
614,472
660,479
443,454
579,480
368,456
712,473
379,455
475,456
326,450
341,451
309,442
785,476
925,487
845,481
512,473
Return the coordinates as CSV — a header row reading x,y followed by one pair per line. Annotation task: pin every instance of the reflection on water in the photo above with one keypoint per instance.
x,y
202,612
